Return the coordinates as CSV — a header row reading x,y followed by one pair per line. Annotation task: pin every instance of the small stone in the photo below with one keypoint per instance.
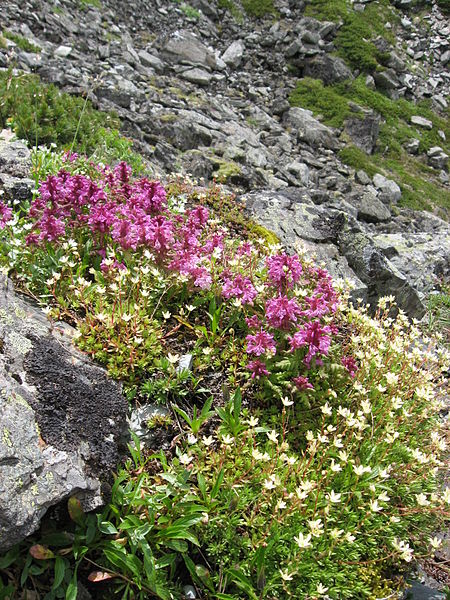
x,y
421,122
362,177
197,76
63,51
388,187
233,54
185,363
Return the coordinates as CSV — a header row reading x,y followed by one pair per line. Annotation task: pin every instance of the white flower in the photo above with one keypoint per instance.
x,y
335,467
343,456
273,435
316,527
227,439
350,538
321,589
366,406
422,500
190,307
166,314
435,543
391,378
280,505
374,506
287,402
326,409
360,470
303,541
253,421
207,440
336,533
406,553
285,575
191,438
269,484
446,495
185,459
334,497
173,358
207,351
383,497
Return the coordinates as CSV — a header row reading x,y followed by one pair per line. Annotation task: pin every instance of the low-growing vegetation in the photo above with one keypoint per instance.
x,y
307,463
41,114
358,29
21,42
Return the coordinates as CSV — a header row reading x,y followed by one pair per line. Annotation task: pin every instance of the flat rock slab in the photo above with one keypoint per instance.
x,y
61,419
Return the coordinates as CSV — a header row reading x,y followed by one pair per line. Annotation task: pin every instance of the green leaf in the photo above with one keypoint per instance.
x,y
217,484
9,558
60,570
107,527
243,583
201,485
76,512
72,588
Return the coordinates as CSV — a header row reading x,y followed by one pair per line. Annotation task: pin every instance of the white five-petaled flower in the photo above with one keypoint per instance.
x,y
361,469
374,506
435,543
273,435
207,440
285,575
316,527
227,439
287,402
422,500
326,409
321,589
334,497
185,459
303,541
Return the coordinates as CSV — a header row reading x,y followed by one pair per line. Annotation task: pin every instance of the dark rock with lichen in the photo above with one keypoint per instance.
x,y
61,419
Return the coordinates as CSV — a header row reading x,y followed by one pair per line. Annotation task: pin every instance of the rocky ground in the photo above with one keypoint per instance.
x,y
203,92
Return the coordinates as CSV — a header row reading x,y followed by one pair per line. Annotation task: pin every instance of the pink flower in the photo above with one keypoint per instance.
x,y
257,368
282,312
5,214
350,364
303,383
260,343
315,336
253,322
239,287
284,270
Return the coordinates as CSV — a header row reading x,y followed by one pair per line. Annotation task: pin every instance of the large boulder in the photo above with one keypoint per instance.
x,y
330,69
61,419
310,130
185,48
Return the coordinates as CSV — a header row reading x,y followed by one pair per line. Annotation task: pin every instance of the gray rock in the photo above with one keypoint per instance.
x,y
362,177
16,188
49,387
300,170
386,80
310,130
196,75
363,131
422,258
421,122
330,69
371,209
63,51
389,188
139,419
375,270
437,158
185,47
233,54
15,158
149,60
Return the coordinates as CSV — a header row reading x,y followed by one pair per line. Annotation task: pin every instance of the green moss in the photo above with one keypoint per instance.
x,y
226,170
326,101
356,158
21,42
87,3
231,7
354,40
3,43
256,231
259,8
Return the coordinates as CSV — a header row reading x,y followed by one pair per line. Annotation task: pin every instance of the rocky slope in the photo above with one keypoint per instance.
x,y
205,90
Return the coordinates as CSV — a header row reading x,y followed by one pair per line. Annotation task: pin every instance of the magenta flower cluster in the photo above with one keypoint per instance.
x,y
118,212
5,214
